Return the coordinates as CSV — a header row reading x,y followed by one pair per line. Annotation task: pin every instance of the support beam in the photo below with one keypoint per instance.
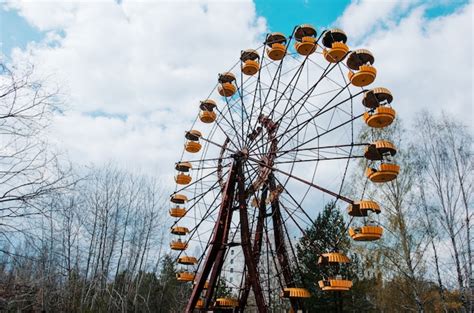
x,y
257,246
215,256
280,246
246,239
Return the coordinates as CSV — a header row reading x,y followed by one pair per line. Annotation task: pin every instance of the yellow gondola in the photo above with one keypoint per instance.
x,y
335,284
335,42
187,260
182,178
380,114
332,258
361,208
366,233
385,173
178,198
226,87
179,230
250,59
335,260
380,149
185,276
305,39
177,212
277,46
192,144
226,303
381,117
362,72
207,114
178,245
294,292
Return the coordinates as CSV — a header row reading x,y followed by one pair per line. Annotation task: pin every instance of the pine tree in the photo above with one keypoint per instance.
x,y
328,234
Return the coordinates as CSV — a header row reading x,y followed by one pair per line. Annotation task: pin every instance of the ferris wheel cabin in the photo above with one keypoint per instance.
x,y
361,73
335,42
226,86
305,36
250,59
207,114
277,46
192,144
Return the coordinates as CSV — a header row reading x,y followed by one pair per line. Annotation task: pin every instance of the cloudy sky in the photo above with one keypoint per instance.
x,y
133,72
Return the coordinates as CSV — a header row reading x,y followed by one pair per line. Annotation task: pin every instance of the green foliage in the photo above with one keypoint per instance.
x,y
327,234
222,290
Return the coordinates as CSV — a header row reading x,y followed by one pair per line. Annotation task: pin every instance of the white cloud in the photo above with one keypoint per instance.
x,y
152,62
426,63
148,61
364,16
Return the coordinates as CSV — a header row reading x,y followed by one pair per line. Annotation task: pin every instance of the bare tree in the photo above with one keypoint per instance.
x,y
29,170
445,149
404,242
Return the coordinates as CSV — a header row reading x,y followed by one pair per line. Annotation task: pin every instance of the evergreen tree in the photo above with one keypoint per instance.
x,y
328,234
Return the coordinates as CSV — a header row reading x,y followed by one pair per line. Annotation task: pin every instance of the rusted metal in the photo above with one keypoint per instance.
x,y
253,274
220,234
280,246
257,246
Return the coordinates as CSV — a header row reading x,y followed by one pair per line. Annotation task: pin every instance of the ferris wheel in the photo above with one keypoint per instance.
x,y
272,142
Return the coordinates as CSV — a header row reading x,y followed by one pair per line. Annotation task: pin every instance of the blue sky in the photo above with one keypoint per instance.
x,y
280,14
122,109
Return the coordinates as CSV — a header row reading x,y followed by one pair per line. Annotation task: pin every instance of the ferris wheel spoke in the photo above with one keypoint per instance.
x,y
276,77
295,77
287,233
197,199
336,195
320,159
257,85
195,182
326,132
302,228
320,112
302,100
232,126
323,147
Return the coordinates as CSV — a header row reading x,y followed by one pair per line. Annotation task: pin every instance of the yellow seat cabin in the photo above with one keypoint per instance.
x,y
183,177
295,292
179,230
361,73
178,245
334,41
192,144
185,276
187,260
178,211
385,172
380,113
227,87
335,261
276,43
305,39
250,62
366,233
207,114
226,303
335,284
